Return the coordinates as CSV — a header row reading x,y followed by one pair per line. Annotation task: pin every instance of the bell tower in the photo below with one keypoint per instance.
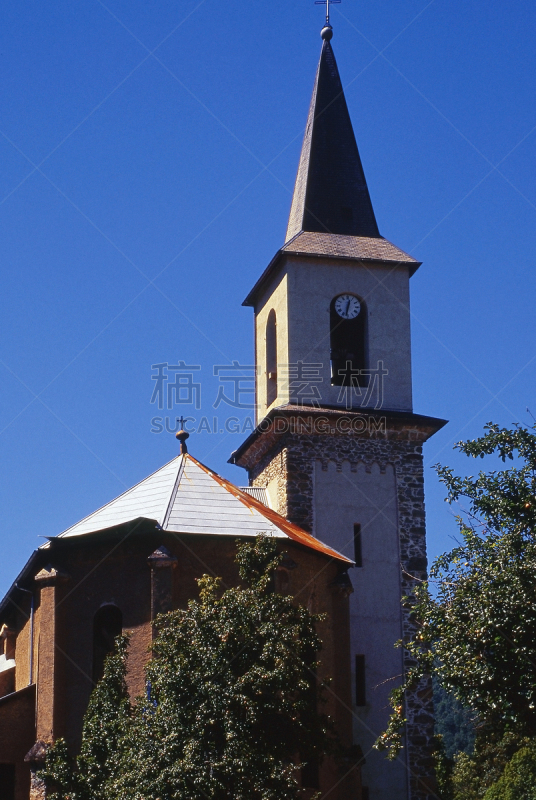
x,y
337,445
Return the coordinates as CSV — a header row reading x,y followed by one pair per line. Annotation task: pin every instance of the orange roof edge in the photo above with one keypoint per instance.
x,y
294,532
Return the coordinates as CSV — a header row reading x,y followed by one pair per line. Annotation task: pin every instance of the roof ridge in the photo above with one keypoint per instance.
x,y
292,238
174,490
293,531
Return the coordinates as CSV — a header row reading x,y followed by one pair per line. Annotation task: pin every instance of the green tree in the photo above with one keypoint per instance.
x,y
233,697
231,708
453,723
477,632
518,781
474,774
91,775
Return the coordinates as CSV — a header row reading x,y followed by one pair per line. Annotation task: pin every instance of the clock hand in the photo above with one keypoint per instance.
x,y
348,307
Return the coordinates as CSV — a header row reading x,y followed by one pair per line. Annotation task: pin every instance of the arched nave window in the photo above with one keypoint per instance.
x,y
107,625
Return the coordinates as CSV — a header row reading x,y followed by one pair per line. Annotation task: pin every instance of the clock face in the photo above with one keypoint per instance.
x,y
347,306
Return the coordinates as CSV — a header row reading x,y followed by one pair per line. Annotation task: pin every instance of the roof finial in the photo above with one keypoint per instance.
x,y
182,435
327,30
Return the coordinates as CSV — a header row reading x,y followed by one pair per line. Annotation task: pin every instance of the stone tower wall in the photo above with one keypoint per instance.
x,y
288,466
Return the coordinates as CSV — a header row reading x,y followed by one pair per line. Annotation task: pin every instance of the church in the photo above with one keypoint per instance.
x,y
334,472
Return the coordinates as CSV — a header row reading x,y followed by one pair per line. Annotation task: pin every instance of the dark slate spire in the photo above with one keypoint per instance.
x,y
331,193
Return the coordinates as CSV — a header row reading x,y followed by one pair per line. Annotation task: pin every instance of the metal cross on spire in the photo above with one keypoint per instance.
x,y
326,3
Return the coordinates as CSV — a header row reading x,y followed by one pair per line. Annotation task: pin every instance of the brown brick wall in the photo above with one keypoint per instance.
x,y
17,735
114,569
23,644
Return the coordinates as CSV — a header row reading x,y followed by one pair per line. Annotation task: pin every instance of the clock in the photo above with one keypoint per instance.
x,y
347,306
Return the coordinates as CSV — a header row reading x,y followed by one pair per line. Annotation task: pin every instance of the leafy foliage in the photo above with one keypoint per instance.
x,y
518,781
473,775
453,723
455,736
231,708
59,774
232,693
477,635
443,770
91,775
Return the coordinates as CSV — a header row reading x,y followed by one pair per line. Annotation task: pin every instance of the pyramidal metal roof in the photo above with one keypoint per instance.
x,y
184,496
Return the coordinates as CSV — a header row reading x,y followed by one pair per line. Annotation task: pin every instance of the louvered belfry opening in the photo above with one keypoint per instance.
x,y
348,348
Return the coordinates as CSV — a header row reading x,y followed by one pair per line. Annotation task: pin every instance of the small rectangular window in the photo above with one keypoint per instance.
x,y
360,687
358,556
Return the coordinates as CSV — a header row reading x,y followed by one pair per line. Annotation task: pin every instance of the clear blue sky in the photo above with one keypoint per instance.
x,y
149,152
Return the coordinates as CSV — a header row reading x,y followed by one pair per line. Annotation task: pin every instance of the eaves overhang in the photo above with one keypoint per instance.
x,y
9,599
360,250
263,280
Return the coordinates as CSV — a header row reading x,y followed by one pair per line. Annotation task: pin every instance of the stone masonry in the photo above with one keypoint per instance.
x,y
289,457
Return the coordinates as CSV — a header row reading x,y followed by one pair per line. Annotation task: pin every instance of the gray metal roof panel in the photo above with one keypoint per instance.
x,y
202,503
148,499
184,496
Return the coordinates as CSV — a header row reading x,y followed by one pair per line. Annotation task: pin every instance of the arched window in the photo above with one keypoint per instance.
x,y
348,341
107,625
271,358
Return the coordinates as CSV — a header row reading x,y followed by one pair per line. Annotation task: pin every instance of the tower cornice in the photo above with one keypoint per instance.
x,y
289,420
